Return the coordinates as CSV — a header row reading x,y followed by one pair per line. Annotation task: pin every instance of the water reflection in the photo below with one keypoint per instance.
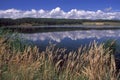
x,y
73,35
72,40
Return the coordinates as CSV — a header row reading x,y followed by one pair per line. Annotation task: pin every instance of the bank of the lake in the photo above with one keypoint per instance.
x,y
89,61
92,63
56,28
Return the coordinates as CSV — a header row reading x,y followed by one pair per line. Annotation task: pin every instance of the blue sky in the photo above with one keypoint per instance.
x,y
75,9
65,5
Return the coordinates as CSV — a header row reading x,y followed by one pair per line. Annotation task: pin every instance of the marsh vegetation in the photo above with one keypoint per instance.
x,y
94,62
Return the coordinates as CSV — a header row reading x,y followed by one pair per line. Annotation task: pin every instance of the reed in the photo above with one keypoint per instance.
x,y
88,63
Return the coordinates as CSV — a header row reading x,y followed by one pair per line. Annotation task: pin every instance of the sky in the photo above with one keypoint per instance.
x,y
75,9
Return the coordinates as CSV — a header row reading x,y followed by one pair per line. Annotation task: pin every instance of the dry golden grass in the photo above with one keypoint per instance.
x,y
88,63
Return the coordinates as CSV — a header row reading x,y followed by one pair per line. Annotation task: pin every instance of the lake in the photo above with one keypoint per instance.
x,y
71,40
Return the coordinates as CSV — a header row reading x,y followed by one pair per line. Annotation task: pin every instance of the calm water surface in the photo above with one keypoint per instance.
x,y
71,39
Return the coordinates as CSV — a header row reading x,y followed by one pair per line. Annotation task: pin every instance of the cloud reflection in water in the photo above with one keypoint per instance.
x,y
73,35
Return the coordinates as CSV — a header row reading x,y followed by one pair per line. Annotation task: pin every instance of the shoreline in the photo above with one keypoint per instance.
x,y
54,28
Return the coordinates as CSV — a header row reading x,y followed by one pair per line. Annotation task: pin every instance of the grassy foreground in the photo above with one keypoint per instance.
x,y
91,63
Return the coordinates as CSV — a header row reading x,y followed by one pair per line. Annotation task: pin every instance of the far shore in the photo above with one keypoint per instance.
x,y
53,28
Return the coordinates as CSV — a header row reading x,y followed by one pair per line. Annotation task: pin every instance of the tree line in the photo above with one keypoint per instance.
x,y
46,21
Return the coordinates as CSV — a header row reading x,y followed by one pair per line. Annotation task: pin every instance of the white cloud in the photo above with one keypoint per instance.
x,y
108,9
59,13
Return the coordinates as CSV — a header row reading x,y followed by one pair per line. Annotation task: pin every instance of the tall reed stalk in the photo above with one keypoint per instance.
x,y
88,63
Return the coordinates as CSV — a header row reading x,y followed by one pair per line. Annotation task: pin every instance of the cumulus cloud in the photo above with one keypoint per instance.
x,y
59,13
